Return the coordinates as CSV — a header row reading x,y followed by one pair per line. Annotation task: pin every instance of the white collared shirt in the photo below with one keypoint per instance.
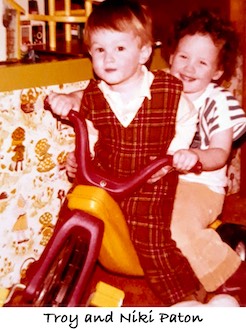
x,y
124,111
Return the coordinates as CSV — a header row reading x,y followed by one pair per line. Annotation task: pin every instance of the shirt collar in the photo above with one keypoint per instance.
x,y
144,89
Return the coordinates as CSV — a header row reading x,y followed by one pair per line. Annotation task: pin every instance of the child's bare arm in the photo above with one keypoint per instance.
x,y
213,158
216,156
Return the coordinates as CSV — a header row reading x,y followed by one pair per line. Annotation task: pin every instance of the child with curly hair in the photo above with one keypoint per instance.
x,y
205,49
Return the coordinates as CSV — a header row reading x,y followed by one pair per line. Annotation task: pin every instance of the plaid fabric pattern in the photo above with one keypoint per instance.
x,y
121,151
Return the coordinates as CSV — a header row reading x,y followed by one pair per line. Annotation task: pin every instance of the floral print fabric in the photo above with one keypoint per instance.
x,y
33,182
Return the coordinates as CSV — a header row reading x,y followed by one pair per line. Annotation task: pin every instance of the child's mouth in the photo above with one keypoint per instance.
x,y
186,78
109,70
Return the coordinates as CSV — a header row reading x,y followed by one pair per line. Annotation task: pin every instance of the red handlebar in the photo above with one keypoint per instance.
x,y
89,175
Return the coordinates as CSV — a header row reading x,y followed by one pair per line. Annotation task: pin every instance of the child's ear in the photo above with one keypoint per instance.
x,y
218,74
146,51
171,60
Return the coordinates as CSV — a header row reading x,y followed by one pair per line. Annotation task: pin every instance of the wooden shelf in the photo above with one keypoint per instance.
x,y
20,76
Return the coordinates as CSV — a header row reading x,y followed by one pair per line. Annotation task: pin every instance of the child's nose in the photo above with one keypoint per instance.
x,y
190,66
109,57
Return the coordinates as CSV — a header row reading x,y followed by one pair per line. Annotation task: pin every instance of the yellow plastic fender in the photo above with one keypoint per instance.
x,y
106,295
117,252
3,295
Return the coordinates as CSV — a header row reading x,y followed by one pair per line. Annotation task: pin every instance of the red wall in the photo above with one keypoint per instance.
x,y
166,12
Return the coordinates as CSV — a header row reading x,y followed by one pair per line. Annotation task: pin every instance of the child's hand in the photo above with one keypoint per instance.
x,y
184,160
71,165
159,174
61,104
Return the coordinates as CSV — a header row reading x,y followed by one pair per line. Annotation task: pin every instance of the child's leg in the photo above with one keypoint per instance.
x,y
195,207
148,215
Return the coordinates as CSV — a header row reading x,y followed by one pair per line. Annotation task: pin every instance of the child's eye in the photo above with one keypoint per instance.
x,y
120,48
98,49
183,56
203,63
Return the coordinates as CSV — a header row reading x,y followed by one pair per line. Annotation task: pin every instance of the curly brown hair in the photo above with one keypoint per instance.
x,y
221,31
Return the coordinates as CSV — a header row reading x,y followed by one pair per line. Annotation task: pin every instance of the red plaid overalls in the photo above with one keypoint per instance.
x,y
121,151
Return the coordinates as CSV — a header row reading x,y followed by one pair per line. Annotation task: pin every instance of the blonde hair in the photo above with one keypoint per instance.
x,y
123,16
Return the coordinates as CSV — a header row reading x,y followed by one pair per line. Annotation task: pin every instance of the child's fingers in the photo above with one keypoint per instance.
x,y
184,160
71,171
60,104
159,174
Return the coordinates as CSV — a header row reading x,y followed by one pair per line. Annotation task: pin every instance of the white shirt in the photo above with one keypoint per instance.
x,y
217,110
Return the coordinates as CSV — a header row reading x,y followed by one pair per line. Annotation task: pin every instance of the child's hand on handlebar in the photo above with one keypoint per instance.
x,y
61,103
71,165
159,174
184,160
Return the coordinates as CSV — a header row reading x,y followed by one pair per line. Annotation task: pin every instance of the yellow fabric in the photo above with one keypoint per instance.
x,y
117,251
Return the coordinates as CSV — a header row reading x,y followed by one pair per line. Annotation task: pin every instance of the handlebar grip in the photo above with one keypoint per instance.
x,y
47,104
197,168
